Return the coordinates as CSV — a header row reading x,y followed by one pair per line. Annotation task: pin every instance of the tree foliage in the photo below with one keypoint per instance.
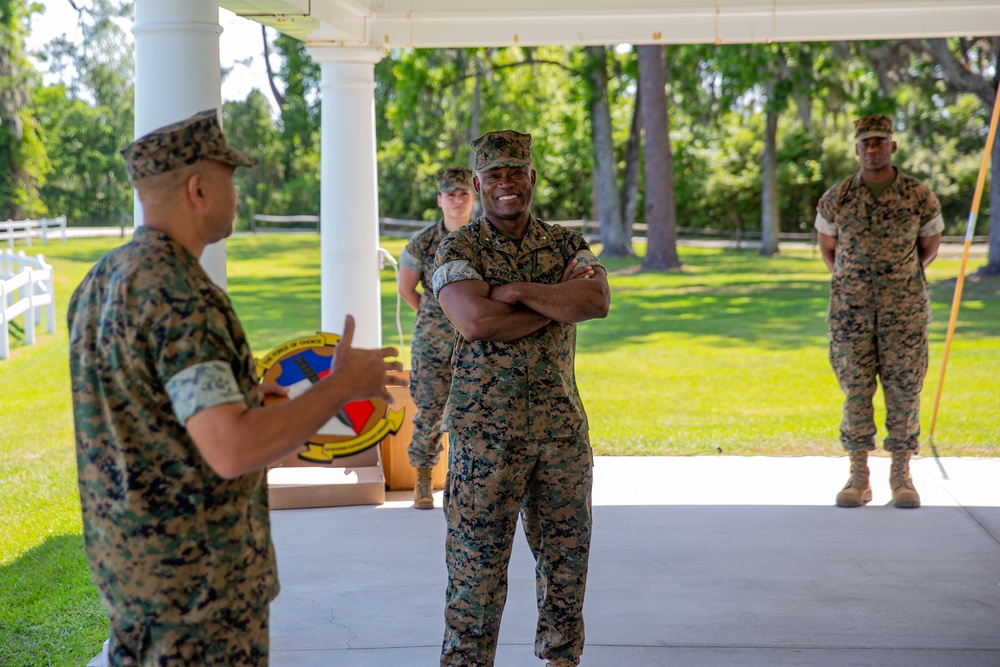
x,y
730,172
22,155
89,117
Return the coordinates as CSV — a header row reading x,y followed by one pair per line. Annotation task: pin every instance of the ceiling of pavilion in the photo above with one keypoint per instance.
x,y
449,23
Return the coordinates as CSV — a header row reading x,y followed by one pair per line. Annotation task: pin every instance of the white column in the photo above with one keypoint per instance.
x,y
177,74
349,264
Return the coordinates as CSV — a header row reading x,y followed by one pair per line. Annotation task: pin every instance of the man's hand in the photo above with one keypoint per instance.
x,y
363,371
235,439
573,273
265,389
511,294
504,293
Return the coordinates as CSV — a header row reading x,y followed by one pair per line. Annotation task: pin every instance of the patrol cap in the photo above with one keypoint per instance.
x,y
872,125
454,178
181,144
505,148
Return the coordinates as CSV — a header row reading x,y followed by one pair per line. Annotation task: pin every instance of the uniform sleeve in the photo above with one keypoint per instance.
x,y
202,386
584,255
195,354
408,261
455,261
824,226
587,258
825,216
934,222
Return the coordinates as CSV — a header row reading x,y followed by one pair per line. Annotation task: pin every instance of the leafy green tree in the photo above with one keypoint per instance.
x,y
87,183
90,117
972,65
431,102
23,159
300,111
616,240
771,76
249,126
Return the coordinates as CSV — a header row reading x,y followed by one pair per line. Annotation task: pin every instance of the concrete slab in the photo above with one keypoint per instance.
x,y
696,561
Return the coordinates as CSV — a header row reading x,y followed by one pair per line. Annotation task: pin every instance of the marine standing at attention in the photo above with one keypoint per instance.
x,y
878,231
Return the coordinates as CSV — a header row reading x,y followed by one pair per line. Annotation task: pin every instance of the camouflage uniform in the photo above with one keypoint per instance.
x,y
518,440
433,335
181,557
879,305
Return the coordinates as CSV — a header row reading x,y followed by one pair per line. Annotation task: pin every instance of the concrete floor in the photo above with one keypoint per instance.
x,y
696,561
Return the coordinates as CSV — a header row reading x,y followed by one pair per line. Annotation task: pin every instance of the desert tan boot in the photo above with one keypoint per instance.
x,y
423,495
858,490
904,494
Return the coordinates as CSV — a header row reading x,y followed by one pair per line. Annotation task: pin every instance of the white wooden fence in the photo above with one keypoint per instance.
x,y
27,287
26,229
591,229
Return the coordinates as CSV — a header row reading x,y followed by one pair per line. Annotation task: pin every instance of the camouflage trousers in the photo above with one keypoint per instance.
x,y
489,482
897,358
235,640
430,382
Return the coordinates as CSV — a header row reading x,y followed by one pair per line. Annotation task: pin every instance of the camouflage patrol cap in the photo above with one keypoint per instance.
x,y
506,148
872,125
180,144
454,178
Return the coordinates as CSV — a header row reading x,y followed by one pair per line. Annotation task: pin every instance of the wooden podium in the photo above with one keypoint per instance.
x,y
399,474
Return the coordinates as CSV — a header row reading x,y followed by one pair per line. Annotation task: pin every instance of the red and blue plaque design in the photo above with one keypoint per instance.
x,y
301,363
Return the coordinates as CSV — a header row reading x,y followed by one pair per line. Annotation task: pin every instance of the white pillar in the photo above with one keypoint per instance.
x,y
349,264
177,74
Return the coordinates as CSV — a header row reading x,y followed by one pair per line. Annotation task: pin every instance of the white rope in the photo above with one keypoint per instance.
x,y
385,255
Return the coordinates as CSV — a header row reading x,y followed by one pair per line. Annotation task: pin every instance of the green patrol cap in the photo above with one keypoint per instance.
x,y
505,148
454,178
872,125
180,144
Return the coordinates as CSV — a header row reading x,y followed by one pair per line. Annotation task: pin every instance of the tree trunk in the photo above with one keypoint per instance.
x,y
992,267
615,242
661,215
770,222
630,182
279,99
13,98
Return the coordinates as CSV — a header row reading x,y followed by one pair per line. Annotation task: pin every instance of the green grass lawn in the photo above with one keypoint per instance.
x,y
729,353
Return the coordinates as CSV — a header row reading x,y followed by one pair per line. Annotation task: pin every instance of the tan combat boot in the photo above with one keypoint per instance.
x,y
904,494
858,490
423,495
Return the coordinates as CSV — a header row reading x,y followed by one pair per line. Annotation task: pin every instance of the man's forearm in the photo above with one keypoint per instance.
x,y
236,440
828,249
506,323
927,249
479,318
566,302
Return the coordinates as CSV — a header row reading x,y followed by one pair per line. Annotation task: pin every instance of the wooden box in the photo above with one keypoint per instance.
x,y
399,474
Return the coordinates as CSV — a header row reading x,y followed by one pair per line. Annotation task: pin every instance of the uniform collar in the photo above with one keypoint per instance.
x,y
536,235
858,184
144,235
